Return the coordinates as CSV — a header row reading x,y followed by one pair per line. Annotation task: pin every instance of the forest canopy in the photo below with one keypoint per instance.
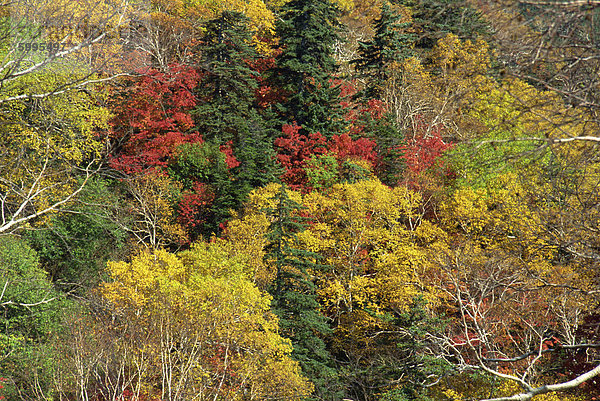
x,y
365,200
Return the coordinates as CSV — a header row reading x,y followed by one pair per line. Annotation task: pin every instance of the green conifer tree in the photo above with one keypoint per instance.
x,y
434,19
227,114
308,31
226,93
295,299
391,42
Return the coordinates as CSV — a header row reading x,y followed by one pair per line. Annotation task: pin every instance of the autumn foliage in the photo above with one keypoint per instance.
x,y
305,200
152,118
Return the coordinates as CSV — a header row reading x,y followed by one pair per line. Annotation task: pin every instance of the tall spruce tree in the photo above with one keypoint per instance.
x,y
308,31
227,114
226,93
295,299
227,111
434,19
390,43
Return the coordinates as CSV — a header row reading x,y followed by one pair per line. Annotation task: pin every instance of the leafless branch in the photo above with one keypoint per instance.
x,y
550,387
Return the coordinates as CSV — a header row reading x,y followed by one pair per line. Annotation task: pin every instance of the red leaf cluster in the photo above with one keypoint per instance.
x,y
193,203
295,149
227,150
345,148
129,395
425,148
152,118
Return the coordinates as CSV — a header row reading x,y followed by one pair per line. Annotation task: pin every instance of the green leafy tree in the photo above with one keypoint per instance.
x,y
294,295
308,30
74,247
30,312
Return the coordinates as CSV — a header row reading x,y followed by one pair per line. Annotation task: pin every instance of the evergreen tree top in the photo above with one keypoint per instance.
x,y
390,43
309,30
227,89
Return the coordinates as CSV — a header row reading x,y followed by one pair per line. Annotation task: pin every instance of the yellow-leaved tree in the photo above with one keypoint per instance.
x,y
50,102
173,29
50,147
515,281
192,326
375,242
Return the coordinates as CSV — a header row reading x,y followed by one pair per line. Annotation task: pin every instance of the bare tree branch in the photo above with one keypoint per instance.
x,y
550,387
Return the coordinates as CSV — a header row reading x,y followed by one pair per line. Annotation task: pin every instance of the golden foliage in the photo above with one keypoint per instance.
x,y
370,236
46,144
262,19
201,307
374,244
